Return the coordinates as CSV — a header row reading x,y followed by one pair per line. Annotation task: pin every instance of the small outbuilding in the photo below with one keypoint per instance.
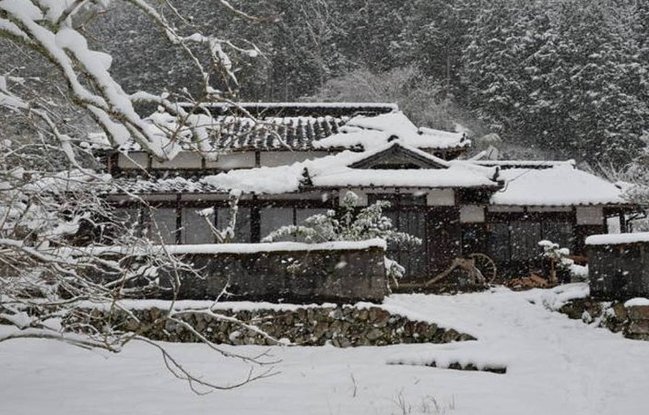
x,y
619,265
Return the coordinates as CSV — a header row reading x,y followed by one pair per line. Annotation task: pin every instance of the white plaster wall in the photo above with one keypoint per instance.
x,y
184,160
590,215
232,161
542,209
283,158
440,197
472,214
133,160
506,209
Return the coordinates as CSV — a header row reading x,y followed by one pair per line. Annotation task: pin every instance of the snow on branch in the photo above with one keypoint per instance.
x,y
58,234
46,27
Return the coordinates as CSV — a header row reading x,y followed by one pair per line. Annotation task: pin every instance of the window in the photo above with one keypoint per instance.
x,y
195,229
162,227
518,239
273,218
406,216
242,227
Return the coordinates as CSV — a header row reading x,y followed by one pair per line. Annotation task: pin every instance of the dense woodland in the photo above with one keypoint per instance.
x,y
553,78
565,77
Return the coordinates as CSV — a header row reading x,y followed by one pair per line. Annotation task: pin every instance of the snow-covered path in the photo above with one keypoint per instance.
x,y
554,366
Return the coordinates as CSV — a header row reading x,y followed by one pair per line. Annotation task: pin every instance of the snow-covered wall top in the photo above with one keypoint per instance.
x,y
559,185
618,239
236,248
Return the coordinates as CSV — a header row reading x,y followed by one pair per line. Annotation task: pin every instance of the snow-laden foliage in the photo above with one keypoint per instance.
x,y
637,174
349,224
568,74
560,260
417,95
53,29
63,248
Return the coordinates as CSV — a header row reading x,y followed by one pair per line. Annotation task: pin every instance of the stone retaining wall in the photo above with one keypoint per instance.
x,y
341,326
632,321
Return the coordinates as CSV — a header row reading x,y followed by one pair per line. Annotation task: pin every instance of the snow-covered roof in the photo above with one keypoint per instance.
x,y
334,171
170,185
264,132
618,238
297,127
302,108
559,184
455,176
510,164
374,131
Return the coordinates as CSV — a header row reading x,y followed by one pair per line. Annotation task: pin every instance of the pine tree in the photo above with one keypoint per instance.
x,y
562,74
601,80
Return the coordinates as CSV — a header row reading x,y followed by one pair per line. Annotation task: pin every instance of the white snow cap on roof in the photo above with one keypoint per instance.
x,y
560,185
455,176
618,238
334,171
376,131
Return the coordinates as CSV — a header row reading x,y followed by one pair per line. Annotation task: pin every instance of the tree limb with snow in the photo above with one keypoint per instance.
x,y
64,250
47,27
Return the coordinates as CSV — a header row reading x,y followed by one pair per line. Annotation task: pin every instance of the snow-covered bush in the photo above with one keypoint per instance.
x,y
560,260
349,224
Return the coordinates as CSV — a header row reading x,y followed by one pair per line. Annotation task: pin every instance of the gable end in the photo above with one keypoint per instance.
x,y
397,157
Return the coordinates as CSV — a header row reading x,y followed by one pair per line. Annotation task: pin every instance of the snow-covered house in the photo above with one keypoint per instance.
x,y
294,160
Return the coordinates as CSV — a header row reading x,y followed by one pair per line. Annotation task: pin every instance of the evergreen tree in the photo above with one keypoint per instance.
x,y
433,37
565,74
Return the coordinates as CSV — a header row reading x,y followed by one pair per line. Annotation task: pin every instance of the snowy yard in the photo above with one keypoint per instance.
x,y
554,366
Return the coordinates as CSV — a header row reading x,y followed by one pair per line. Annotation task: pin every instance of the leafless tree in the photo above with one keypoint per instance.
x,y
63,248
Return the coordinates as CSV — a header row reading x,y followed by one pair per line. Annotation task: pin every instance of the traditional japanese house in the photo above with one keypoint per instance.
x,y
294,160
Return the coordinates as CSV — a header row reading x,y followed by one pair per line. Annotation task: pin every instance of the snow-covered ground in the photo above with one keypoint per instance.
x,y
554,366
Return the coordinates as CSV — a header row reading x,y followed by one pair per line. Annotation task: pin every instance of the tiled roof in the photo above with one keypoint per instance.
x,y
294,133
283,126
163,185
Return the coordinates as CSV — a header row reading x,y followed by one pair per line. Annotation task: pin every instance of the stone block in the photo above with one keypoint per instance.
x,y
638,312
639,327
620,311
